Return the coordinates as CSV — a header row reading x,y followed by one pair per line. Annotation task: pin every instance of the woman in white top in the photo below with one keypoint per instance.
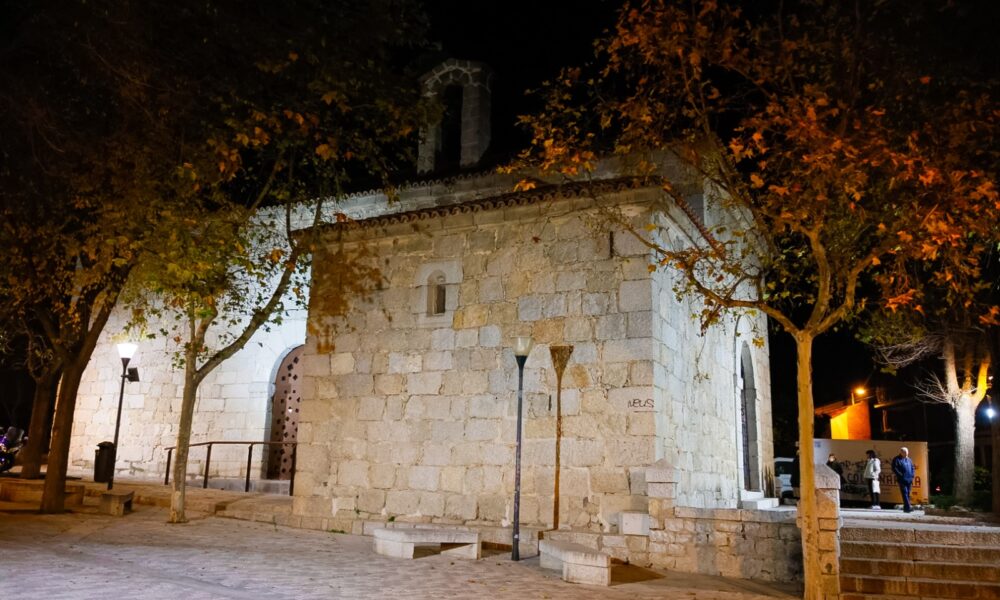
x,y
873,468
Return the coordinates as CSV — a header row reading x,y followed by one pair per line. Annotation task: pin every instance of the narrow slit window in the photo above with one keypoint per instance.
x,y
437,295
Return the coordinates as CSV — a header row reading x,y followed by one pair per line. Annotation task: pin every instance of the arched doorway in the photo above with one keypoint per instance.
x,y
284,421
748,418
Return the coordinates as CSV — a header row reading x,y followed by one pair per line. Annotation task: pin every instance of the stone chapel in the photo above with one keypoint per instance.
x,y
405,410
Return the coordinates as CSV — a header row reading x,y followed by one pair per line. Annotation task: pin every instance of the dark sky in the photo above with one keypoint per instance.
x,y
524,42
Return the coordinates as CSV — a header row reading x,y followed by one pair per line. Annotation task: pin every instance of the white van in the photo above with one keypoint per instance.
x,y
783,476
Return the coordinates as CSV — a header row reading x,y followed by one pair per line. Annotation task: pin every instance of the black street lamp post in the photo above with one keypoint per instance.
x,y
126,351
522,347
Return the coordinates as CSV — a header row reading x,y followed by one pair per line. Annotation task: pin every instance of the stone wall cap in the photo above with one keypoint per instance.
x,y
543,193
826,478
773,515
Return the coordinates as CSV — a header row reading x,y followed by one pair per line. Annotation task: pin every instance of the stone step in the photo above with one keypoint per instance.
x,y
759,504
917,587
927,534
944,571
982,555
30,492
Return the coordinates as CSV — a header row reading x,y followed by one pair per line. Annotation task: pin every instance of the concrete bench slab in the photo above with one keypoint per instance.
x,y
399,543
578,563
116,503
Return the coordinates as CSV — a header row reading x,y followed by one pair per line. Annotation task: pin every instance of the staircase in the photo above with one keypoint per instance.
x,y
890,560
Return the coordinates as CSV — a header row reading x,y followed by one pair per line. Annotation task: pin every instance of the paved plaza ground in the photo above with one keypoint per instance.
x,y
83,555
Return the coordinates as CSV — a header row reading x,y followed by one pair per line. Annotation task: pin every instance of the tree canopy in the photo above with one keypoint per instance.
x,y
816,126
127,126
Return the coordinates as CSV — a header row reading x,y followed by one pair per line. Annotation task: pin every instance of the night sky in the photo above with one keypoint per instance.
x,y
524,42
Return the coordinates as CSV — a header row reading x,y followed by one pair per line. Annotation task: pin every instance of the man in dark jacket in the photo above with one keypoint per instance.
x,y
902,468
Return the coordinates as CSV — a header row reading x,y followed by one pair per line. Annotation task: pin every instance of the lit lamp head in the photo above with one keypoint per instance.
x,y
857,393
126,350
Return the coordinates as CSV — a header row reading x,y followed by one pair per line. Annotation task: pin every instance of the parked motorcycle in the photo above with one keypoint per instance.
x,y
10,444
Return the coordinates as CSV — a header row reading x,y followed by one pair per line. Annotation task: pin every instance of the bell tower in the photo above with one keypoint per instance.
x,y
460,138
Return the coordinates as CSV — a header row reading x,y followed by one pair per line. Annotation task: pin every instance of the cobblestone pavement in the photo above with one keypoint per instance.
x,y
83,556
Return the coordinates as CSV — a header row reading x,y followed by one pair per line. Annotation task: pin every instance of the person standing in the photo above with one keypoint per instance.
x,y
831,462
873,468
902,468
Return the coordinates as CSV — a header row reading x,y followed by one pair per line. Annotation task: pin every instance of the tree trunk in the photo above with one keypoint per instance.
x,y
808,515
993,342
184,436
54,492
965,450
31,456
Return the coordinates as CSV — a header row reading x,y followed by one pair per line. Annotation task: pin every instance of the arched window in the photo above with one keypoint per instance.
x,y
437,294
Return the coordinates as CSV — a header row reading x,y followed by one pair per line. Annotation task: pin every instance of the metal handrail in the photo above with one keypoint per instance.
x,y
250,445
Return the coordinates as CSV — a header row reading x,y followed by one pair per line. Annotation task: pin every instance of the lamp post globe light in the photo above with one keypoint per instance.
x,y
858,393
126,351
522,347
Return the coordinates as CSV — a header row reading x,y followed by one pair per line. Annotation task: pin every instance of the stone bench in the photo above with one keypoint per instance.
x,y
399,543
116,503
579,564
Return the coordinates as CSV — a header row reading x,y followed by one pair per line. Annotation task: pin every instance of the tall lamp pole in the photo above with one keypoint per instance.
x,y
522,347
126,351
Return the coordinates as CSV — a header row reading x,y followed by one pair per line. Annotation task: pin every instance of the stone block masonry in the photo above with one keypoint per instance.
x,y
422,428
233,403
746,544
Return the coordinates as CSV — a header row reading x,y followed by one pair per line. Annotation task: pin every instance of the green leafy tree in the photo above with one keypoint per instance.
x,y
224,269
796,117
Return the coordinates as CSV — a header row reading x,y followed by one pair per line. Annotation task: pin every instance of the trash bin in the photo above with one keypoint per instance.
x,y
104,462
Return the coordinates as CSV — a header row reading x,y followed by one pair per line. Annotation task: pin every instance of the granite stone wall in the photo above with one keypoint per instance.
x,y
233,403
410,416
